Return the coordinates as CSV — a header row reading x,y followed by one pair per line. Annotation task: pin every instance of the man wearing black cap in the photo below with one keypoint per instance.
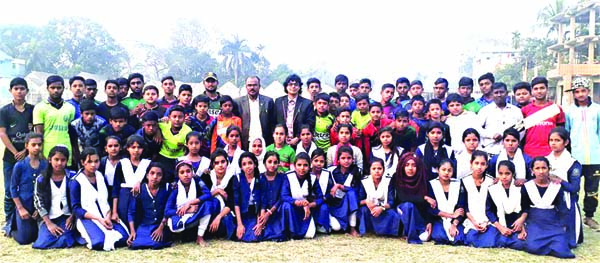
x,y
15,123
465,89
91,89
211,82
53,117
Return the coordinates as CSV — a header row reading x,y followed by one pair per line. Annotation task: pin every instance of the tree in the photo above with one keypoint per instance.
x,y
548,12
516,40
189,64
238,57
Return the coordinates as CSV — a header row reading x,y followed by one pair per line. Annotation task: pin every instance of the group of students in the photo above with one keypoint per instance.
x,y
184,175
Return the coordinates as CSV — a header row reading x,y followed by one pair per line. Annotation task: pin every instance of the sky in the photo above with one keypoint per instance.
x,y
382,40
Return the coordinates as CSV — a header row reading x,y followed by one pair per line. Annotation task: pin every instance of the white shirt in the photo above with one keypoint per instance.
x,y
494,120
255,126
458,125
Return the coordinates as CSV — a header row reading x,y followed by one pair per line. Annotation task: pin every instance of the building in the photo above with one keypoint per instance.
x,y
11,67
575,51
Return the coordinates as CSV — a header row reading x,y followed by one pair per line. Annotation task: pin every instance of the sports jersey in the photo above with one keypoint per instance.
x,y
56,124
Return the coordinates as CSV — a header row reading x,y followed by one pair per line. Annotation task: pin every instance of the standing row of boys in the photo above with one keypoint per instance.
x,y
454,170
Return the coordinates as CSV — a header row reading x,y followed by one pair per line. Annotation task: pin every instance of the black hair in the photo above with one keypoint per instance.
x,y
269,154
509,165
75,78
46,175
33,135
185,87
136,139
218,152
323,96
395,153
345,109
90,82
18,81
118,113
365,81
402,113
378,160
454,97
539,80
489,76
162,170
344,94
252,157
445,161
318,152
279,125
294,78
402,80
87,105
344,125
224,99
305,126
313,80
432,102
375,104
563,134
539,159
150,87
478,153
303,156
199,99
512,132
499,85
388,86
341,78
353,85
167,78
416,82
133,76
192,134
87,152
417,98
232,128
354,169
441,81
111,81
522,85
122,81
334,95
177,108
360,97
470,131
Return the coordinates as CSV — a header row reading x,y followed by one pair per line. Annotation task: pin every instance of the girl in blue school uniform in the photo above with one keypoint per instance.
x,y
52,201
542,201
109,163
302,196
193,145
503,208
220,182
271,224
233,148
147,221
190,205
89,203
24,227
376,193
323,177
479,232
565,170
449,212
343,199
412,200
434,149
129,174
246,194
387,151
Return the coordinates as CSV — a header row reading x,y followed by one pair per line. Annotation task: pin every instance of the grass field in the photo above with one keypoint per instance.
x,y
322,249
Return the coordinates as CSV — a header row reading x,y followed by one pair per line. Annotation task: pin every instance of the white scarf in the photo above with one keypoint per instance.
x,y
233,166
518,161
131,177
202,166
560,167
377,195
542,202
109,172
446,204
222,185
506,204
183,196
324,180
476,200
299,192
59,198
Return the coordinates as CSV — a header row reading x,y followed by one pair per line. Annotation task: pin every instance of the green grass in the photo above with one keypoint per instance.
x,y
323,248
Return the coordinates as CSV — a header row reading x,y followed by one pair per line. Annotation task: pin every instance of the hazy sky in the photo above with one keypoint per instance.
x,y
382,40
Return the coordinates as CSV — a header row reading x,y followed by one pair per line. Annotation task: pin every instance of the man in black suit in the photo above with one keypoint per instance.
x,y
293,111
257,113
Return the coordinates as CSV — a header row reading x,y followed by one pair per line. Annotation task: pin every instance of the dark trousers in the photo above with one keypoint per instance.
x,y
9,204
592,178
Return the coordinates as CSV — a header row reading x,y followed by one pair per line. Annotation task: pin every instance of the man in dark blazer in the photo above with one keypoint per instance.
x,y
293,110
266,113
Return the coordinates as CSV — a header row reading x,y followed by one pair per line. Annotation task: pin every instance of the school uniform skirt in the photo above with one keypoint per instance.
x,y
24,231
321,216
275,229
123,204
572,219
181,223
489,238
440,237
342,209
99,238
413,224
143,238
46,240
386,224
226,227
298,227
546,235
249,221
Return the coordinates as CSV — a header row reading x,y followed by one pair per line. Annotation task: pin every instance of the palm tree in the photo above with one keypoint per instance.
x,y
516,40
237,56
550,11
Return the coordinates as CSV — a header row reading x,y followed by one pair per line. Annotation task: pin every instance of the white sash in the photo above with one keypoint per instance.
x,y
131,177
223,185
538,201
59,197
91,200
109,172
518,161
560,167
506,204
446,147
184,197
446,204
476,200
379,195
299,192
324,180
391,163
202,166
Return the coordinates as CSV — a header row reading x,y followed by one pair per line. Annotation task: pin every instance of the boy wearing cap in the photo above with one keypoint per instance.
x,y
583,122
211,82
53,118
168,100
465,89
536,138
16,121
522,91
88,126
